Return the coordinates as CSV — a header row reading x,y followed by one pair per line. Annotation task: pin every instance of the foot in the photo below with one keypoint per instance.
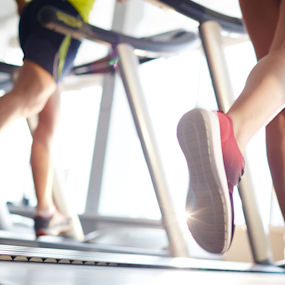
x,y
215,166
55,224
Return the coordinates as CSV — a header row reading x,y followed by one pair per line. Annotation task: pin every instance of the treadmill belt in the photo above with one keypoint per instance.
x,y
59,256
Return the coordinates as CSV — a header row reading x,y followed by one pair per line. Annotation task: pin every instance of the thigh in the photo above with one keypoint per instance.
x,y
260,18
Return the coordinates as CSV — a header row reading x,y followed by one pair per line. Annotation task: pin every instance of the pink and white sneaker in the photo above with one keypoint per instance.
x,y
215,166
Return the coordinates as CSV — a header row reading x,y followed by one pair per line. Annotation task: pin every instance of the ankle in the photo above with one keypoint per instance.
x,y
45,210
238,134
232,155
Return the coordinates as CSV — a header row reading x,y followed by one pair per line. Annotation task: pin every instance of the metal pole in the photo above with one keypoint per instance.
x,y
210,33
121,22
128,67
99,153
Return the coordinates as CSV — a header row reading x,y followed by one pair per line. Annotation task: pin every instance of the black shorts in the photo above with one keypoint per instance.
x,y
52,51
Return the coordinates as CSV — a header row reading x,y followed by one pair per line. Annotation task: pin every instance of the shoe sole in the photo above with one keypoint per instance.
x,y
208,200
58,229
54,231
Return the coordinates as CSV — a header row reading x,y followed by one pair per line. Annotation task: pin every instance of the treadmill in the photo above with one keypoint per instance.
x,y
137,269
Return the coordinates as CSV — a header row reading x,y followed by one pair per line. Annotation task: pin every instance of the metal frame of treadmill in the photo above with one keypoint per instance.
x,y
75,257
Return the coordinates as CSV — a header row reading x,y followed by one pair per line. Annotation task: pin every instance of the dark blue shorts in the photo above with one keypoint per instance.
x,y
52,51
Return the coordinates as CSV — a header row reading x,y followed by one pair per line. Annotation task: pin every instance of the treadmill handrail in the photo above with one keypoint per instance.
x,y
202,14
61,22
8,68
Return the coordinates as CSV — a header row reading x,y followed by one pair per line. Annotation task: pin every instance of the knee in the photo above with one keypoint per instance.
x,y
32,88
33,102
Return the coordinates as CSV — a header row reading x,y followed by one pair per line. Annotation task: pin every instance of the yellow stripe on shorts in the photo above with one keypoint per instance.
x,y
62,54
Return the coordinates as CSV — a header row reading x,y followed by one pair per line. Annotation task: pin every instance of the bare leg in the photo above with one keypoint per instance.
x,y
264,94
275,140
261,25
41,154
260,18
29,95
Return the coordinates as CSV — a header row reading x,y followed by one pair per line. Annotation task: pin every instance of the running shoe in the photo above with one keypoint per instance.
x,y
55,225
215,166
